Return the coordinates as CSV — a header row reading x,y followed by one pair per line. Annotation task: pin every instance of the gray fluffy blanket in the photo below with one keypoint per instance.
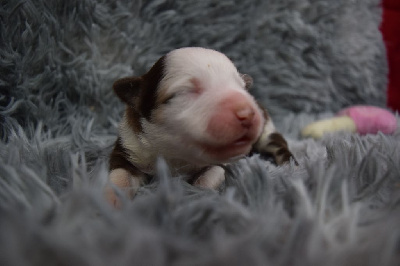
x,y
58,115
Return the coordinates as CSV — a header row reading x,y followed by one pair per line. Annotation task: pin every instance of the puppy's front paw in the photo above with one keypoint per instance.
x,y
212,178
122,179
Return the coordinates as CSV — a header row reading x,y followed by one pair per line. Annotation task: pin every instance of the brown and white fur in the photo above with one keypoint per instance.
x,y
192,108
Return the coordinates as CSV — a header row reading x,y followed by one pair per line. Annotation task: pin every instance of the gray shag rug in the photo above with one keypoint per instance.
x,y
58,115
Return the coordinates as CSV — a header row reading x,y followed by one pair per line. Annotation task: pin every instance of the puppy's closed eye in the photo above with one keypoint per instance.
x,y
168,99
184,93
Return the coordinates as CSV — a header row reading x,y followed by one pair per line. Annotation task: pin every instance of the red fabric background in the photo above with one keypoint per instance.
x,y
390,28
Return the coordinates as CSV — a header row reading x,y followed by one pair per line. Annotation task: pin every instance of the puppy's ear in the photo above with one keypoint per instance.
x,y
247,80
127,89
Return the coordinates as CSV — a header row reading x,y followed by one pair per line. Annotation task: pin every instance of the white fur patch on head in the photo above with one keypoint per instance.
x,y
212,69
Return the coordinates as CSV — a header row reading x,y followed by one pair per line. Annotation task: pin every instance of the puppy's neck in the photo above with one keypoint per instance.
x,y
137,148
143,155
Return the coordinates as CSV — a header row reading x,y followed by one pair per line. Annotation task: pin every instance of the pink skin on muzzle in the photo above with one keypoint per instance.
x,y
234,126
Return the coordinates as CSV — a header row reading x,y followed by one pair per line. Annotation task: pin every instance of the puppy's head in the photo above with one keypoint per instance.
x,y
192,105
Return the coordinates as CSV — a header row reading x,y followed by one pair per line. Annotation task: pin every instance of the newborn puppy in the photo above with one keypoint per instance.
x,y
193,109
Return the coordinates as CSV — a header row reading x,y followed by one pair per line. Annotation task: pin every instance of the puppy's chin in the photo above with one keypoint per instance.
x,y
222,153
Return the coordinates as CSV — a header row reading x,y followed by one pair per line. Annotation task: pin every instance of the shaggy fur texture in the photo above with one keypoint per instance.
x,y
58,118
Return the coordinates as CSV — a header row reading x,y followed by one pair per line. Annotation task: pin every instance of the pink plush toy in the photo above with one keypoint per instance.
x,y
361,119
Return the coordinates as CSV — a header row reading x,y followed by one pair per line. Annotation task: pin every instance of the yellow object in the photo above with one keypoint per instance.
x,y
317,129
